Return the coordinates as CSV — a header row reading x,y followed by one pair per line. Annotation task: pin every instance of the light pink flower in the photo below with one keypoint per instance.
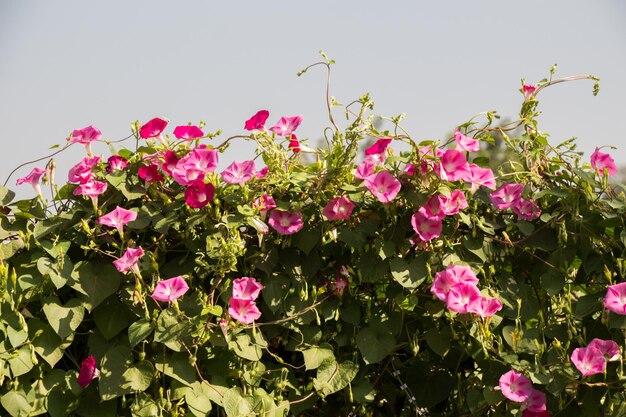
x,y
338,209
453,166
170,289
188,132
118,218
485,306
153,128
464,143
169,162
432,208
526,209
505,196
365,169
480,176
257,122
239,172
264,203
92,188
115,163
88,371
452,204
515,386
528,90
129,260
461,296
199,194
451,276
609,348
589,360
536,401
262,172
425,227
285,222
85,136
33,178
150,173
379,147
244,311
246,288
287,125
195,165
615,298
601,161
383,185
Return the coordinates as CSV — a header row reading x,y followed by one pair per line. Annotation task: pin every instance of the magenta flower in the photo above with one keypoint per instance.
x,y
129,260
505,196
188,132
379,147
285,222
453,166
365,169
91,188
294,144
461,296
239,172
118,218
526,209
383,185
150,173
85,136
199,194
115,163
246,288
195,165
536,401
287,125
528,413
528,90
169,162
515,386
601,161
88,371
257,122
33,178
463,143
426,228
485,306
244,311
451,276
589,360
615,298
153,128
80,173
451,205
480,176
170,289
609,348
432,208
264,203
262,172
338,209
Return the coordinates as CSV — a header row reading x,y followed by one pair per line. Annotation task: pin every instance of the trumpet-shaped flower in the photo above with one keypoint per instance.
x,y
452,204
294,144
365,169
379,147
526,209
287,125
451,276
199,194
464,143
150,173
244,311
264,203
515,386
432,208
285,222
80,173
153,128
536,401
115,163
615,298
170,289
383,185
485,306
257,122
453,166
239,172
246,288
194,166
426,228
528,90
91,188
589,360
33,178
88,371
601,161
169,162
262,172
462,296
130,260
480,177
609,348
338,209
188,132
505,196
118,218
85,136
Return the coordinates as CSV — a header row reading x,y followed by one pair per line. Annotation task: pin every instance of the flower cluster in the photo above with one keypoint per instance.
x,y
509,195
591,359
517,388
242,302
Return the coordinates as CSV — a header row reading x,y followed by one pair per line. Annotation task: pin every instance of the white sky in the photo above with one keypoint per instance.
x,y
65,65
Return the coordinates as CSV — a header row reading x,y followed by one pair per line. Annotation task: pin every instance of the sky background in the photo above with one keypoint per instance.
x,y
66,65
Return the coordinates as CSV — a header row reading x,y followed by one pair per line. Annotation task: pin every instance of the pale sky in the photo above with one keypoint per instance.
x,y
69,64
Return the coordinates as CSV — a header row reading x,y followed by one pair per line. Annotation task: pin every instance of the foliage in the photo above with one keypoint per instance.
x,y
381,346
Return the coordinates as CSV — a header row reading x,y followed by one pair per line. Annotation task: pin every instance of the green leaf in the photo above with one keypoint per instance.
x,y
170,331
6,195
58,274
333,376
176,366
552,281
61,403
586,306
275,291
375,344
314,357
7,250
245,348
144,406
112,317
439,341
408,274
132,192
198,399
138,331
46,342
96,280
235,405
139,377
22,362
307,239
64,319
16,404
114,364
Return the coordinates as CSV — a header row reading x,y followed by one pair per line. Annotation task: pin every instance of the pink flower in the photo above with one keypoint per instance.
x,y
536,401
383,185
294,144
432,208
379,147
153,128
425,227
85,136
451,276
257,122
80,173
195,165
33,178
259,225
365,169
463,143
170,289
264,203
244,311
199,194
246,288
485,306
169,162
239,172
515,386
115,163
601,161
528,90
129,260
589,360
285,222
528,413
339,286
150,174
118,218
480,176
188,132
505,196
453,166
338,209
461,296
451,205
92,188
262,172
287,125
88,371
615,298
609,348
526,209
